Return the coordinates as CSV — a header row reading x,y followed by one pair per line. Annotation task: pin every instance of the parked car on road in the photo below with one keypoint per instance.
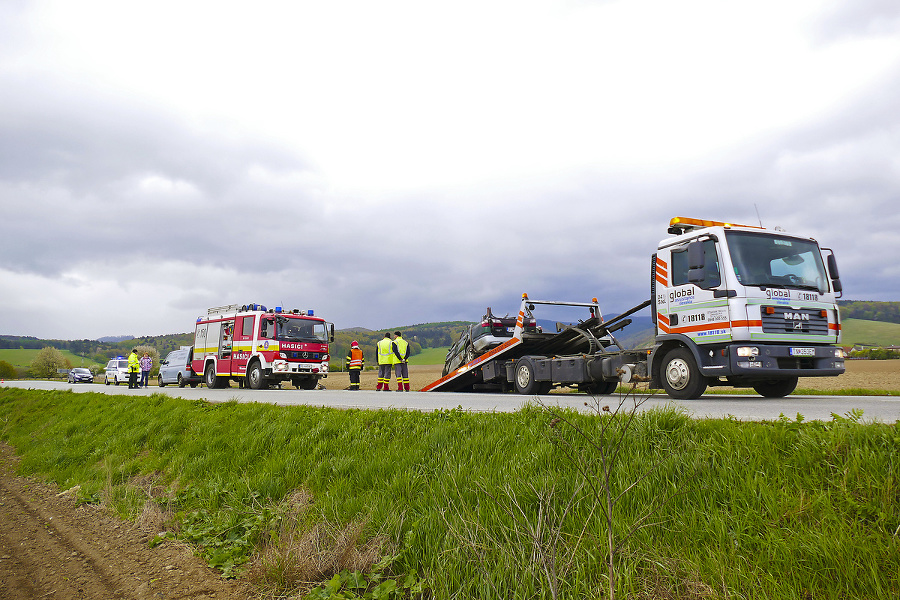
x,y
80,374
116,371
176,368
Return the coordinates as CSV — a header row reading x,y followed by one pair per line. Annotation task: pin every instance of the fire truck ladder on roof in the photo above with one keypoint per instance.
x,y
463,376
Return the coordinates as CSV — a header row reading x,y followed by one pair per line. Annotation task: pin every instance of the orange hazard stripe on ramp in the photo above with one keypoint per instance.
x,y
514,341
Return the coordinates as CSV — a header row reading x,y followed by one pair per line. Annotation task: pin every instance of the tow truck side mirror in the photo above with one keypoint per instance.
x,y
833,273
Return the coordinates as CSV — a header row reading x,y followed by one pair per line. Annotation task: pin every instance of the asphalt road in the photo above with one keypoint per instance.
x,y
747,408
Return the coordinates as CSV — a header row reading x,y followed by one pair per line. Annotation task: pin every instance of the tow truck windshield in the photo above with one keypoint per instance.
x,y
777,261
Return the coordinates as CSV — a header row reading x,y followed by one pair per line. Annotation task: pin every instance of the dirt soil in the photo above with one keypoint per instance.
x,y
50,548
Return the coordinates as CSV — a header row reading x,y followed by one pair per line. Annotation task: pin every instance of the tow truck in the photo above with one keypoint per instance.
x,y
732,305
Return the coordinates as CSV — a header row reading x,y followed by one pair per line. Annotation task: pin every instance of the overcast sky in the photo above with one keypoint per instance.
x,y
392,163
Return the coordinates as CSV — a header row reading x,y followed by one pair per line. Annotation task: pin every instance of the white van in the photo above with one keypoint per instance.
x,y
117,371
175,368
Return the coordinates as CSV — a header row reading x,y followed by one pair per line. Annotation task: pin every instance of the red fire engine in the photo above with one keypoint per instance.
x,y
258,347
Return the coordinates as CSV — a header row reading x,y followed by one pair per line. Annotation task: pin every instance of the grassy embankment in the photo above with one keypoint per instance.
x,y
486,505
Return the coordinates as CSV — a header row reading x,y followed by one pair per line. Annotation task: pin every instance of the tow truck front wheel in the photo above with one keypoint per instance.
x,y
776,389
680,375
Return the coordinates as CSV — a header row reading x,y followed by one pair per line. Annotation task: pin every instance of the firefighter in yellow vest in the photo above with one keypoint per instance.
x,y
385,353
355,363
400,356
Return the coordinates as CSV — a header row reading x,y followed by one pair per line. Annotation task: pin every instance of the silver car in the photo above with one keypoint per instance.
x,y
176,368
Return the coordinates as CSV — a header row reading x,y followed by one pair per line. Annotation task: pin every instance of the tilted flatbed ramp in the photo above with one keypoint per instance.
x,y
467,374
571,340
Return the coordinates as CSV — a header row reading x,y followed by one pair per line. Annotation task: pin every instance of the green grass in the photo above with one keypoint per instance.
x,y
23,358
785,509
878,333
430,356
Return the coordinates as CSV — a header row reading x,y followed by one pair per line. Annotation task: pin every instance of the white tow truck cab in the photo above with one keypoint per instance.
x,y
742,306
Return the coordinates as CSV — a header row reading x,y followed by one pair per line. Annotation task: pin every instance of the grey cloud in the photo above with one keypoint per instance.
x,y
71,174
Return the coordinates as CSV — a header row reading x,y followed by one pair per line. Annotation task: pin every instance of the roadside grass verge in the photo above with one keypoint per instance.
x,y
461,504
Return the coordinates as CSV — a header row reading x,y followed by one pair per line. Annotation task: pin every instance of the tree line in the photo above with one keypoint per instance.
x,y
870,310
427,335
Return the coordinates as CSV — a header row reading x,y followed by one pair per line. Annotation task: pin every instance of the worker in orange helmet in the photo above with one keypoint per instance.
x,y
355,363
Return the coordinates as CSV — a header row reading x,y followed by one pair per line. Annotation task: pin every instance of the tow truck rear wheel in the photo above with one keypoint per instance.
x,y
776,389
255,380
524,380
599,388
680,375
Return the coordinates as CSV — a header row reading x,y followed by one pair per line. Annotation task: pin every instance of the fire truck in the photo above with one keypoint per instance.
x,y
259,347
732,305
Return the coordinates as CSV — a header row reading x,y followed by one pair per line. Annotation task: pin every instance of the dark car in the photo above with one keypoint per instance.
x,y
482,337
80,375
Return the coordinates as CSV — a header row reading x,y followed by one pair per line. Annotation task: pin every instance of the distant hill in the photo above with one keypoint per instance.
x,y
863,322
115,339
888,312
869,333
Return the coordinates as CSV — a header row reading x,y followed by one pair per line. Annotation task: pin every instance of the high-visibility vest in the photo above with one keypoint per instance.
x,y
402,348
134,363
385,351
355,359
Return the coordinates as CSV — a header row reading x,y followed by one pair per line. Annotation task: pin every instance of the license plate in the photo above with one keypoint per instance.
x,y
510,330
803,351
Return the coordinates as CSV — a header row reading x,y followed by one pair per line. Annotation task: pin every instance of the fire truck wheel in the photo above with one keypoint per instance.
x,y
680,375
776,389
525,382
309,383
255,380
210,378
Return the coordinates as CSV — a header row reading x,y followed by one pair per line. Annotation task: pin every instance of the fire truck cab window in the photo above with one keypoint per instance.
x,y
680,266
247,327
